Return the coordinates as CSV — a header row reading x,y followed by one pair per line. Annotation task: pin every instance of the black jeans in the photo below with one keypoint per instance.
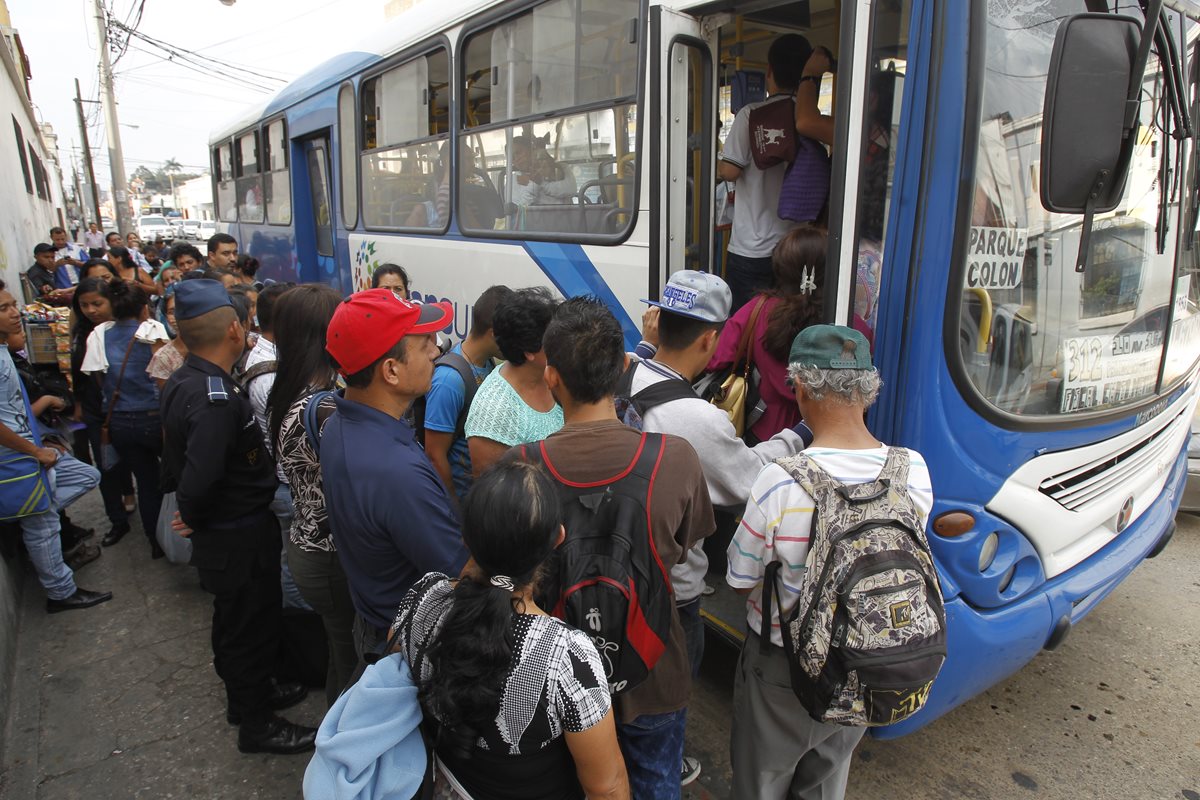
x,y
693,633
240,568
137,437
114,483
747,277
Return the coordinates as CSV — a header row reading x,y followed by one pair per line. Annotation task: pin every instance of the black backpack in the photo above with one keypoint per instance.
x,y
416,412
606,578
632,408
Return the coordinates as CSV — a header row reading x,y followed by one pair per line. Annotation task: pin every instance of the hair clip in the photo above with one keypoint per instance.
x,y
503,582
807,282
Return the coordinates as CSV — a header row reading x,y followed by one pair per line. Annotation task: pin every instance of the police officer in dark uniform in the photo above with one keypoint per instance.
x,y
224,480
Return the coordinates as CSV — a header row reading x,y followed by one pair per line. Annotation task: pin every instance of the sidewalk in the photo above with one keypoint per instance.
x,y
121,700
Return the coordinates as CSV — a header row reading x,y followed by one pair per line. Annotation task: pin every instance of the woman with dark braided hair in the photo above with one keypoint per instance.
x,y
519,698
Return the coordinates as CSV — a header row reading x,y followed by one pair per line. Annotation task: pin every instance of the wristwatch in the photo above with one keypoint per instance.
x,y
814,78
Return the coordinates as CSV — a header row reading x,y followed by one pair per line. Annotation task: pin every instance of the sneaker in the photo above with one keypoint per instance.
x,y
690,770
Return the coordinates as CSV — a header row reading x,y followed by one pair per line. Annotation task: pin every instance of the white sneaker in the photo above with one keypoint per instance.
x,y
690,770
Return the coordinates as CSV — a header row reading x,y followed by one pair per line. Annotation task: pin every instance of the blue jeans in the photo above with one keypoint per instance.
x,y
138,439
70,479
653,749
284,510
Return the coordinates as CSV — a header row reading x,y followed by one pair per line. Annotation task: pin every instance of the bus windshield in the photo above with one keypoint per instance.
x,y
1036,337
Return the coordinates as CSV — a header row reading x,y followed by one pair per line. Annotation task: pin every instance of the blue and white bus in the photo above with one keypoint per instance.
x,y
1053,405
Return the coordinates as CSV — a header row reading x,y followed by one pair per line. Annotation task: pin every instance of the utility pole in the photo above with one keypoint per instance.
x,y
87,157
116,157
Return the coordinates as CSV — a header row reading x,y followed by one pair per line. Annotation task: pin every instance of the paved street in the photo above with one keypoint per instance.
x,y
1111,714
121,702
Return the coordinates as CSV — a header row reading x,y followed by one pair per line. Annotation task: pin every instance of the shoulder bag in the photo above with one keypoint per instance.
x,y
738,396
24,488
108,456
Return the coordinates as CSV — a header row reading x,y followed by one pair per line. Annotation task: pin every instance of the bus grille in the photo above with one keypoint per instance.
x,y
1078,487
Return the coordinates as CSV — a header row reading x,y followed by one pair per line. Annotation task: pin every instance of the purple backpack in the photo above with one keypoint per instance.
x,y
806,182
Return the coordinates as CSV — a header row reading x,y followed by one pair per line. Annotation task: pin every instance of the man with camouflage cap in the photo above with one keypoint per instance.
x,y
777,749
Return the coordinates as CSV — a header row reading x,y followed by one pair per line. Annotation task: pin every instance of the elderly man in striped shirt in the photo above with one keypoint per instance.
x,y
777,749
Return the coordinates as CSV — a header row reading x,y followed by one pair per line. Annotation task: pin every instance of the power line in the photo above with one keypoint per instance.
x,y
214,66
204,69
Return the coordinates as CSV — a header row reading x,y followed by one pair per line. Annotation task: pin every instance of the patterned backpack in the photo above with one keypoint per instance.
x,y
867,636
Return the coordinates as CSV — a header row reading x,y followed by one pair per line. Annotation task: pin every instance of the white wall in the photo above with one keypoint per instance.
x,y
196,197
25,219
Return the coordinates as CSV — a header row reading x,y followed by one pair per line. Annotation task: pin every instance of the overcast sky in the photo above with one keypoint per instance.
x,y
174,106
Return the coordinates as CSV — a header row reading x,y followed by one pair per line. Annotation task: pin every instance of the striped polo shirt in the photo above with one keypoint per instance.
x,y
778,521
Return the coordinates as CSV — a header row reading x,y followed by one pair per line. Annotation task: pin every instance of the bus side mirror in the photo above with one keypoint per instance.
x,y
1088,128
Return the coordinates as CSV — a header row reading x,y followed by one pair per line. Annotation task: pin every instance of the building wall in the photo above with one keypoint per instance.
x,y
25,218
196,197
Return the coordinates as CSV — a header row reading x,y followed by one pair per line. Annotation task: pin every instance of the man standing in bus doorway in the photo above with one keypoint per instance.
x,y
757,227
222,252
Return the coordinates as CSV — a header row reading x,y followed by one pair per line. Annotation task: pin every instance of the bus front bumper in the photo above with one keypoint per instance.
x,y
986,646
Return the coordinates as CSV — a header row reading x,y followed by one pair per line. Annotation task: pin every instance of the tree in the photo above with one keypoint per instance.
x,y
157,181
172,167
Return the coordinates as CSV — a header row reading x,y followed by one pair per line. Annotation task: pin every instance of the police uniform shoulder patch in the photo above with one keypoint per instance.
x,y
218,395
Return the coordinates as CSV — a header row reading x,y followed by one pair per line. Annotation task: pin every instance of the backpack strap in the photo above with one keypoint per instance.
x,y
896,467
258,370
806,472
463,367
625,382
312,426
662,392
770,599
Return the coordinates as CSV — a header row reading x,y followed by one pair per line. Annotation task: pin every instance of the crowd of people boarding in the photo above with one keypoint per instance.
x,y
503,538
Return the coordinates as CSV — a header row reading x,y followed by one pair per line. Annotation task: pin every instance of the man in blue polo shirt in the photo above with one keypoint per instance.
x,y
388,509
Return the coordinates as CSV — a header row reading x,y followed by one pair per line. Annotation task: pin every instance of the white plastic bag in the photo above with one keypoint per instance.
x,y
178,548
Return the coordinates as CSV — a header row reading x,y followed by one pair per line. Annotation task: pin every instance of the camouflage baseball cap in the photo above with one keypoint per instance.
x,y
830,347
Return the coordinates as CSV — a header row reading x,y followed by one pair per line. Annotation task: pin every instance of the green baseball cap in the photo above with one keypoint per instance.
x,y
831,347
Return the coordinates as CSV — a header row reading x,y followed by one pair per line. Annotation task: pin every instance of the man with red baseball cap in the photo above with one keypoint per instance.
x,y
388,509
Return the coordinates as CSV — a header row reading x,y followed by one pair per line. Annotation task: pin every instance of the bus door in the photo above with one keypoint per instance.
x,y
314,213
684,158
705,84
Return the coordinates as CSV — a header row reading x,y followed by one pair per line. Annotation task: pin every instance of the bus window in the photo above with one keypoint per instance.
x,y
881,121
405,128
690,119
277,183
226,189
535,165
249,181
1091,341
347,156
1183,343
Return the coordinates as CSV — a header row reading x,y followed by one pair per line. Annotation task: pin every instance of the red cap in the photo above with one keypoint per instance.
x,y
368,324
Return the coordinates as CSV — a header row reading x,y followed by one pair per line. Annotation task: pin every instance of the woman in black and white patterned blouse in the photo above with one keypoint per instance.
x,y
520,698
